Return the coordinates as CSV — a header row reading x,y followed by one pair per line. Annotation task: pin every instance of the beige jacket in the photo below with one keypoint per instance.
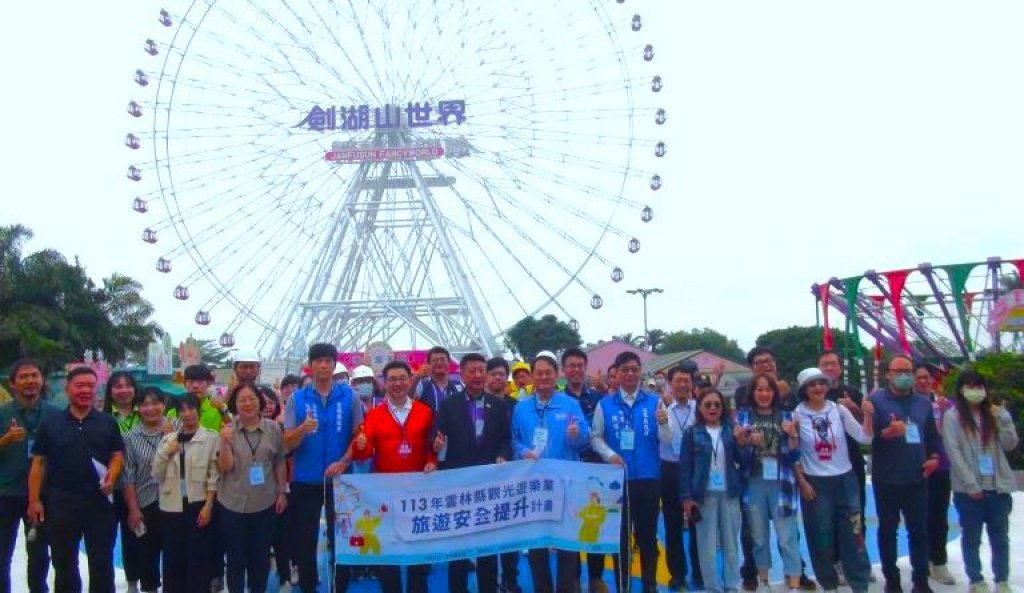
x,y
200,461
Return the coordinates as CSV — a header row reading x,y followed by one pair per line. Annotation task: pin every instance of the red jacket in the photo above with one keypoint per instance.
x,y
384,437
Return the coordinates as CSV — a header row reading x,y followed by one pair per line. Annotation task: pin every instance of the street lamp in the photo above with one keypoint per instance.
x,y
645,292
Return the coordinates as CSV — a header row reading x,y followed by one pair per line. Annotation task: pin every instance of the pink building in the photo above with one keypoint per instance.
x,y
601,356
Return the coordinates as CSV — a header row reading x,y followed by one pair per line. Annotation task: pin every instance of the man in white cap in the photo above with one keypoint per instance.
x,y
246,367
340,375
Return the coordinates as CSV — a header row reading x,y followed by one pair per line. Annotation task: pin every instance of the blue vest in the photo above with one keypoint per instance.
x,y
332,437
644,461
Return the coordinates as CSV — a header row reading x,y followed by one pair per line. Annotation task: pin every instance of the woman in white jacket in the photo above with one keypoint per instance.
x,y
185,466
977,434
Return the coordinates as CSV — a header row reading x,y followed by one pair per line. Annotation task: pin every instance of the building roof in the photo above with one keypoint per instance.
x,y
705,362
601,356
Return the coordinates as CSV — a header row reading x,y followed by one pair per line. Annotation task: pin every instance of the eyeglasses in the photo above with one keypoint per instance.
x,y
629,369
711,405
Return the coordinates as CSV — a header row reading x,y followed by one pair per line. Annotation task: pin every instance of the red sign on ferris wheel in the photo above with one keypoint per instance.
x,y
362,155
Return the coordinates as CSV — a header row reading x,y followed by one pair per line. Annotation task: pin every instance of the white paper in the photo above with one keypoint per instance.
x,y
101,473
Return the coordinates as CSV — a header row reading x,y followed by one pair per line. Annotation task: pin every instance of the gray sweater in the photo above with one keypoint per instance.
x,y
963,450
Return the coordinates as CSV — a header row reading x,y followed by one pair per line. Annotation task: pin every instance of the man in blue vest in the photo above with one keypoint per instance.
x,y
434,389
625,432
320,421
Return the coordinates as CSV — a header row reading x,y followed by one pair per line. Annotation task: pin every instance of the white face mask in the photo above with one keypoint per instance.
x,y
974,395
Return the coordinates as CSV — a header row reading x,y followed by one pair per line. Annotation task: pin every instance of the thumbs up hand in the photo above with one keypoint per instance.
x,y
896,428
310,424
360,442
440,442
661,414
14,434
574,429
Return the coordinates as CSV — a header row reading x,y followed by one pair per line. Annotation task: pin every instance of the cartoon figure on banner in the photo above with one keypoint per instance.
x,y
365,537
602,500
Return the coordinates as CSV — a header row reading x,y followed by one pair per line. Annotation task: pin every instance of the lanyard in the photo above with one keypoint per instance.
x,y
716,444
628,409
682,423
401,425
541,410
252,448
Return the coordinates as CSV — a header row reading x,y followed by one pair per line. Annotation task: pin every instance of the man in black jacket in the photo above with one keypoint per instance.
x,y
472,428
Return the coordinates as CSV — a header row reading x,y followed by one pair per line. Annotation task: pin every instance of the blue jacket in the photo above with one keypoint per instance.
x,y
895,461
334,433
643,462
695,462
556,416
588,400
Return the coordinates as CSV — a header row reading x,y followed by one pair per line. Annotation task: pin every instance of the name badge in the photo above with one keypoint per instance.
x,y
986,465
31,443
478,426
770,468
677,444
716,481
627,439
404,449
913,434
540,439
256,476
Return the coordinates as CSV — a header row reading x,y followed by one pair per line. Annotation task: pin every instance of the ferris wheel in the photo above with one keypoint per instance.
x,y
414,171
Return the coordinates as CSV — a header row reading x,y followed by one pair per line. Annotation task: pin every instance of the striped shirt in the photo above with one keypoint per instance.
x,y
140,448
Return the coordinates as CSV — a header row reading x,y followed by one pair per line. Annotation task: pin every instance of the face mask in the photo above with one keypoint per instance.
x,y
342,381
364,390
659,382
974,395
903,382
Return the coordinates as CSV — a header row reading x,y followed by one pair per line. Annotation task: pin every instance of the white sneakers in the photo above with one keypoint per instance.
x,y
939,573
840,574
1002,587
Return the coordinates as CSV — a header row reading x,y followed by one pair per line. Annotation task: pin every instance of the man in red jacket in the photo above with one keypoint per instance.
x,y
396,436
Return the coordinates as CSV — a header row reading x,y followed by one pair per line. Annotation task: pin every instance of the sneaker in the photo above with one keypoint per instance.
x,y
893,587
294,577
940,573
597,586
750,584
285,587
676,584
216,585
871,577
979,587
133,587
840,575
807,584
1002,587
921,588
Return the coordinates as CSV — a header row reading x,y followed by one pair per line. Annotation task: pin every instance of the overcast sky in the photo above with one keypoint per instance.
x,y
808,139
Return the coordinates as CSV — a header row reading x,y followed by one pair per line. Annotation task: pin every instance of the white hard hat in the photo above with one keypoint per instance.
x,y
247,356
339,369
546,354
362,372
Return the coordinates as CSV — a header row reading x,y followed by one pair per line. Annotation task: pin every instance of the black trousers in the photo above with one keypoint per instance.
x,y
309,503
187,551
145,549
129,543
939,491
641,509
567,565
510,569
391,578
910,501
247,538
672,517
73,516
12,515
486,575
283,536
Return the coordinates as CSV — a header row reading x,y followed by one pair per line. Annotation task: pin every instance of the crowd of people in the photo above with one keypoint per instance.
x,y
208,491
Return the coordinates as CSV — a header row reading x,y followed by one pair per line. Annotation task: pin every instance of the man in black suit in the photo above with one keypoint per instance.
x,y
472,428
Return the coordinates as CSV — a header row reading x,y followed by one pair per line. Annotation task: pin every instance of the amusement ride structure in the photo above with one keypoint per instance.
x,y
417,171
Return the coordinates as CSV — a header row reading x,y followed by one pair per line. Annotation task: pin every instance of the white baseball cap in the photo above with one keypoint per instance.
x,y
339,369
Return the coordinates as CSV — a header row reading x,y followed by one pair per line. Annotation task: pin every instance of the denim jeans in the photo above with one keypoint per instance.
x,y
835,514
762,506
719,527
993,512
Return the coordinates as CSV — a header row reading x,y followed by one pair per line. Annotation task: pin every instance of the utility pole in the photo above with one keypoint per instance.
x,y
645,292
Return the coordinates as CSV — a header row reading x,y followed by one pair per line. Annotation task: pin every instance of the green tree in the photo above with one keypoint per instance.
x,y
700,339
630,339
798,347
530,335
51,311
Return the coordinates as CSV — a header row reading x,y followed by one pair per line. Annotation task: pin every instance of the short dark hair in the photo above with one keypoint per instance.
x,y
496,362
571,352
396,364
659,372
472,357
108,402
22,363
79,371
233,396
758,351
198,372
322,350
439,350
830,352
189,400
623,357
704,393
923,365
672,372
291,380
150,391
